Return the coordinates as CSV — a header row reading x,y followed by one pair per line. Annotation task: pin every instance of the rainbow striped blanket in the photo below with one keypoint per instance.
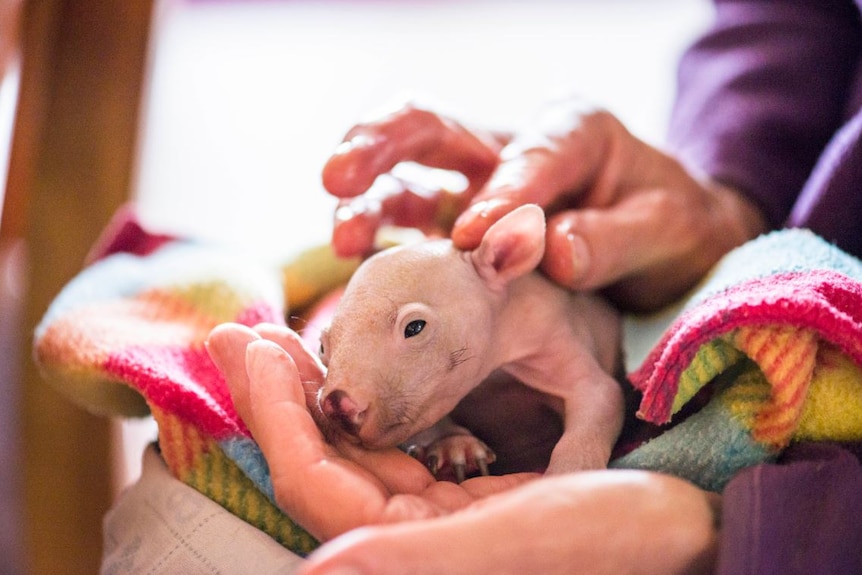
x,y
774,339
775,335
126,337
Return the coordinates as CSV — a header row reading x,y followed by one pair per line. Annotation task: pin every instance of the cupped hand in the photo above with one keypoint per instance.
x,y
327,485
598,522
388,515
622,214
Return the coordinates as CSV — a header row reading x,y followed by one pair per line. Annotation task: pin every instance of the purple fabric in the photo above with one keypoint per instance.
x,y
831,202
770,102
761,95
800,516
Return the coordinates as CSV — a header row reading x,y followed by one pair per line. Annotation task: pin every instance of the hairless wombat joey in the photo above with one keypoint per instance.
x,y
419,326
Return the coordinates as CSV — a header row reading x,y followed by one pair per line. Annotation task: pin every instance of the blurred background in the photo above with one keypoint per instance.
x,y
216,117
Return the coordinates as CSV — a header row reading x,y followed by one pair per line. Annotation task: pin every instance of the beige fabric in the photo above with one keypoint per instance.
x,y
161,525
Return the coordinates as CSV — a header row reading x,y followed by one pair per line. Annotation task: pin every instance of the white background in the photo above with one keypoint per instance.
x,y
248,99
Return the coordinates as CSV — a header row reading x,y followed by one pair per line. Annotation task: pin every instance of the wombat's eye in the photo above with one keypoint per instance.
x,y
414,327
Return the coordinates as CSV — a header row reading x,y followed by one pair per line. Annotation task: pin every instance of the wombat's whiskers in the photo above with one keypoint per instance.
x,y
458,357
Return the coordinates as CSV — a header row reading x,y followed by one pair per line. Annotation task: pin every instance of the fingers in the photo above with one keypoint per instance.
x,y
355,226
501,535
408,134
575,155
305,470
311,370
622,215
226,345
652,246
587,249
398,472
232,348
596,522
394,201
268,394
360,172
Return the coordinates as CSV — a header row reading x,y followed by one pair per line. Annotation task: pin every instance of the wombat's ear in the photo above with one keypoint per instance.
x,y
513,246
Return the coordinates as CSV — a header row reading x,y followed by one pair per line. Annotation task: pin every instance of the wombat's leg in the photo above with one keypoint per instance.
x,y
594,414
448,449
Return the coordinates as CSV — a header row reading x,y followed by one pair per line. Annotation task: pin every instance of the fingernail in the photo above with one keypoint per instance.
x,y
580,256
262,354
567,259
511,173
481,210
214,353
354,143
227,336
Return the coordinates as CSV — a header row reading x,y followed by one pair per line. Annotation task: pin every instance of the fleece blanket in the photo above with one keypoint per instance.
x,y
126,338
773,339
775,336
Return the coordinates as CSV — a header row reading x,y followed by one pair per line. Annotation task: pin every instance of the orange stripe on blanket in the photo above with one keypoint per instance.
x,y
181,444
786,355
199,461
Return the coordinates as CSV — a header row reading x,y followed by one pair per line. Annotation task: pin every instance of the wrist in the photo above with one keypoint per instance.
x,y
736,220
742,216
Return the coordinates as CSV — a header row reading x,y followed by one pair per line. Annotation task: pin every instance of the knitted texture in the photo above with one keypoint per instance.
x,y
777,332
126,337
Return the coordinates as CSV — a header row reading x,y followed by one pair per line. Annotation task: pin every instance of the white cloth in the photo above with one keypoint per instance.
x,y
161,525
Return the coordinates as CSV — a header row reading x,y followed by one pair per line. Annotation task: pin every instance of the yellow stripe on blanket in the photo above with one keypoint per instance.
x,y
199,461
709,361
833,409
798,387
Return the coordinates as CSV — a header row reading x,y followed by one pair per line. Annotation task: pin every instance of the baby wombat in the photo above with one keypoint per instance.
x,y
420,326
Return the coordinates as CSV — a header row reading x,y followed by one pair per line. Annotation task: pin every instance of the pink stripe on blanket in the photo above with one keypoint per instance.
x,y
827,302
180,380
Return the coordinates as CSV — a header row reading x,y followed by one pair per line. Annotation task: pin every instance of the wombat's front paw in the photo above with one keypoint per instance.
x,y
455,456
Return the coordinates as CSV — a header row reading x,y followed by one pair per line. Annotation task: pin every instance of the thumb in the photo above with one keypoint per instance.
x,y
645,244
462,543
572,149
403,548
533,176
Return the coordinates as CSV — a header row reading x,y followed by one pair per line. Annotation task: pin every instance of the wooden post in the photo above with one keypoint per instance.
x,y
82,74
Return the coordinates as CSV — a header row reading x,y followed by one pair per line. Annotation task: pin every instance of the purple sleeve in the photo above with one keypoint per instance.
x,y
761,93
801,516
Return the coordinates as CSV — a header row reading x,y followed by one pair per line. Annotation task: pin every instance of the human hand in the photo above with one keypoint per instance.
x,y
361,173
621,213
606,521
599,522
273,379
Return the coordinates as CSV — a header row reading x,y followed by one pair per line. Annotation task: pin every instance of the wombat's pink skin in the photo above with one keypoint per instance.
x,y
420,326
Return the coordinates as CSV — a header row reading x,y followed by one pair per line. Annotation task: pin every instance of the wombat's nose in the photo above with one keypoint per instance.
x,y
339,407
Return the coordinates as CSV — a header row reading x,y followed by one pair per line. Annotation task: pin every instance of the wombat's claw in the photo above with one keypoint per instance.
x,y
457,457
416,452
482,463
460,472
433,464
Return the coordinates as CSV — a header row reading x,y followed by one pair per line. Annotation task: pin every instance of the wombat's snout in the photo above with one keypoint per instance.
x,y
340,408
